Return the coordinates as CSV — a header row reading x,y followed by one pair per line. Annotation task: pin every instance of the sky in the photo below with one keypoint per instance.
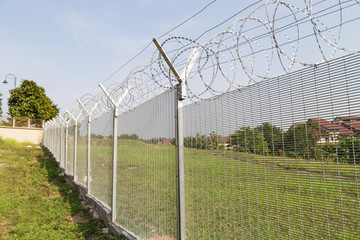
x,y
70,46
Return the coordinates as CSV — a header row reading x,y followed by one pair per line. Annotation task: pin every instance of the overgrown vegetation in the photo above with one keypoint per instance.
x,y
36,202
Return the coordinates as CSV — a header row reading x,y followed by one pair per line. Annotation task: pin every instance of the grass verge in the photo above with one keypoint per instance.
x,y
36,202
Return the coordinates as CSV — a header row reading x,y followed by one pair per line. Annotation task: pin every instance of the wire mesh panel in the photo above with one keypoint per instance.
x,y
146,192
271,151
101,146
62,146
71,148
278,159
81,154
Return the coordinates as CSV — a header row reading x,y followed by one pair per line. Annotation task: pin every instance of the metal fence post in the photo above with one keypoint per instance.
x,y
66,146
179,135
115,139
61,144
66,124
75,151
88,164
75,118
179,143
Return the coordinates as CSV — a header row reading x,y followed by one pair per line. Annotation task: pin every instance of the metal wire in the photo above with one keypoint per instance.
x,y
271,131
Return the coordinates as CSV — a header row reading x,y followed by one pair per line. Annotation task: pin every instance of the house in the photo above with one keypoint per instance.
x,y
352,123
161,141
329,132
223,141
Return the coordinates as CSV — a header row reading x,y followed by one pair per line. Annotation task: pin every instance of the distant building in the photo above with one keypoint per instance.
x,y
161,140
352,123
330,132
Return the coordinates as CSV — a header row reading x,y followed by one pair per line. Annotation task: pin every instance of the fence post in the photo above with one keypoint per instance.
x,y
61,147
66,124
88,143
179,136
75,118
114,160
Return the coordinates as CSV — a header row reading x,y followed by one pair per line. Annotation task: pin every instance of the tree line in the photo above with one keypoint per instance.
x,y
266,139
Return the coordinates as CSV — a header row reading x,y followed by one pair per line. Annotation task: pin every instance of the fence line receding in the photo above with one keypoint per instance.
x,y
264,117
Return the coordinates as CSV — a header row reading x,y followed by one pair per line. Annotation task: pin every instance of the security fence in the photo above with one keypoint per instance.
x,y
209,154
21,122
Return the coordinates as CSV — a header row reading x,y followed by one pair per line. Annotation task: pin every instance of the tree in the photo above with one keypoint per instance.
x,y
29,100
246,139
272,135
127,136
300,140
350,150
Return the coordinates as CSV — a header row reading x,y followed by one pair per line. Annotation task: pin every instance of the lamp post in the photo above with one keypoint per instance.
x,y
10,76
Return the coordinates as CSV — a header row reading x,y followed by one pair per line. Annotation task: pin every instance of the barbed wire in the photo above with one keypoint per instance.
x,y
236,57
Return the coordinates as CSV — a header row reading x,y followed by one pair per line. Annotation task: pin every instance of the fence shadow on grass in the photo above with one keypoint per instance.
x,y
87,225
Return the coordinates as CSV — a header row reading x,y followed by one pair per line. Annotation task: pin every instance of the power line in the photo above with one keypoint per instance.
x,y
150,43
228,19
187,19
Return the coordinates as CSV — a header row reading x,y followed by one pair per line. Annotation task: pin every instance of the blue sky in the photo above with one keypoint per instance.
x,y
68,47
71,46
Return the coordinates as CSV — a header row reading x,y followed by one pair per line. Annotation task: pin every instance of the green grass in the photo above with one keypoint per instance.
x,y
36,202
230,195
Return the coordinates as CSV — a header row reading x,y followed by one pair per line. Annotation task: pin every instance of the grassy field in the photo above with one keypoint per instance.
x,y
230,195
35,201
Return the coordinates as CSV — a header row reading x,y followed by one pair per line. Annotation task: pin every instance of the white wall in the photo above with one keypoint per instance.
x,y
30,135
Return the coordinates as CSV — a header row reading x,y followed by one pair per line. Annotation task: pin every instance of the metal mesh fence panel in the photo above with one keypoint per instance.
x,y
71,148
62,146
21,122
36,123
81,154
57,144
101,158
271,151
146,192
278,159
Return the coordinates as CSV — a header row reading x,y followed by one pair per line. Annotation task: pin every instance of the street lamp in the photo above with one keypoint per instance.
x,y
10,76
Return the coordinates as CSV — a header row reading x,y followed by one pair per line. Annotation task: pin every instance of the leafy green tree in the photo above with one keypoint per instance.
x,y
246,139
300,140
213,140
29,100
350,150
202,141
127,136
273,136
